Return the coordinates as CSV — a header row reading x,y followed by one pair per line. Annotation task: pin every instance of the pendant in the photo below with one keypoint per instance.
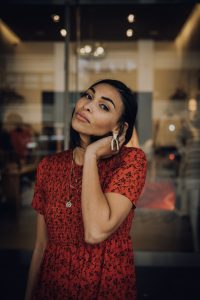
x,y
68,204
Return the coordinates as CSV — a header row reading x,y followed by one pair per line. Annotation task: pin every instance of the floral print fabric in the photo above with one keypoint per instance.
x,y
71,268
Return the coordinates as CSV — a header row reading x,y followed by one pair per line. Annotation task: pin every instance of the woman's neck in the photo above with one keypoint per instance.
x,y
79,152
78,155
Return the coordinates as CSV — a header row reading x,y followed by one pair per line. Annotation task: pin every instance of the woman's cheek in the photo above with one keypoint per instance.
x,y
79,104
102,127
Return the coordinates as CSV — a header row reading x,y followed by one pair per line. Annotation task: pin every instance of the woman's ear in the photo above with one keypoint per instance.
x,y
125,126
122,128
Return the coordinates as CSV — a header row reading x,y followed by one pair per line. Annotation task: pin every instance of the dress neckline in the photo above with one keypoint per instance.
x,y
81,166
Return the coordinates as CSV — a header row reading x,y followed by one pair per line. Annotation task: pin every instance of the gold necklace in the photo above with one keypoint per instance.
x,y
68,202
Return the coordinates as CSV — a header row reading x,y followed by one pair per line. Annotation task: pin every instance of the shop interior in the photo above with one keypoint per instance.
x,y
49,53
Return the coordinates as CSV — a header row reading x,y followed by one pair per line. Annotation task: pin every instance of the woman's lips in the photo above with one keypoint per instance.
x,y
81,117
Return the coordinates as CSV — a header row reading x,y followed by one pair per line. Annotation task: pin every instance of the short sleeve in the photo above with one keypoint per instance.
x,y
129,178
38,201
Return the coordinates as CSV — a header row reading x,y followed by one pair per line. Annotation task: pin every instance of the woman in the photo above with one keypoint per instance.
x,y
85,198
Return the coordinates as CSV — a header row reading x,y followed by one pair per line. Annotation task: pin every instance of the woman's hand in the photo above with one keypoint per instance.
x,y
102,148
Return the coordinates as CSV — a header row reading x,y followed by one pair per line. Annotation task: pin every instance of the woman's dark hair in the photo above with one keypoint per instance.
x,y
129,113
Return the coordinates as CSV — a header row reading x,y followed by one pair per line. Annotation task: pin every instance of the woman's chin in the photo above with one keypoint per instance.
x,y
80,127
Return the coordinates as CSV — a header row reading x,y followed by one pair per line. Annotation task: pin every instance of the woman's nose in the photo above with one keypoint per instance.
x,y
88,107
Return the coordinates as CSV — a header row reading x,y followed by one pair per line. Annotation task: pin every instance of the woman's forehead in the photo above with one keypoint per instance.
x,y
104,89
104,86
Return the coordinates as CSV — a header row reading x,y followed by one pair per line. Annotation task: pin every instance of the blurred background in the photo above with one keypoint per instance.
x,y
50,51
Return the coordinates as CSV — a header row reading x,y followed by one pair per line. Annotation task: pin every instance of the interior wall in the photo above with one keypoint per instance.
x,y
34,68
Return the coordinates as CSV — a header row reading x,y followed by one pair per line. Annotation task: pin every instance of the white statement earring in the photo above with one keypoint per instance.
x,y
115,143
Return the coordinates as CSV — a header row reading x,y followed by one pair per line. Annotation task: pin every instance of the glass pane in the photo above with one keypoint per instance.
x,y
49,54
33,103
41,80
160,63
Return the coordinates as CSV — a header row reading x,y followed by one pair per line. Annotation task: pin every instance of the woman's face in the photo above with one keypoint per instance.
x,y
98,111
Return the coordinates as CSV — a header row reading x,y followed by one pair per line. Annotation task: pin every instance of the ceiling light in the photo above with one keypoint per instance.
x,y
88,51
129,32
63,32
131,18
55,18
82,51
99,50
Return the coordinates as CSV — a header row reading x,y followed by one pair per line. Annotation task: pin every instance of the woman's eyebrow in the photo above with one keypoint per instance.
x,y
108,99
103,97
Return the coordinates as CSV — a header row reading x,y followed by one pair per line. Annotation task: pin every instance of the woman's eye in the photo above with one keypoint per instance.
x,y
104,107
88,96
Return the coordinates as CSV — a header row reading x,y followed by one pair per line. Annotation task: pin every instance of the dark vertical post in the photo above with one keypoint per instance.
x,y
78,45
67,114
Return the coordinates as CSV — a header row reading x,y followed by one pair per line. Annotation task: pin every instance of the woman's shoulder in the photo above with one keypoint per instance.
x,y
55,158
128,156
133,159
132,153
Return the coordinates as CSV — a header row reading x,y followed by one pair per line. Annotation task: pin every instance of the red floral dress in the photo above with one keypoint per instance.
x,y
71,268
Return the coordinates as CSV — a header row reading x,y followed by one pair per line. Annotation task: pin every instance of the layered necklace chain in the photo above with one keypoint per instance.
x,y
72,187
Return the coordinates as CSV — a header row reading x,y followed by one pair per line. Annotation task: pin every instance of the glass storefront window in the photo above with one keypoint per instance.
x,y
164,72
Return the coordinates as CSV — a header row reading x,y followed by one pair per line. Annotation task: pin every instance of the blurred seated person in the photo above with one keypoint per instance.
x,y
20,137
184,135
184,138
